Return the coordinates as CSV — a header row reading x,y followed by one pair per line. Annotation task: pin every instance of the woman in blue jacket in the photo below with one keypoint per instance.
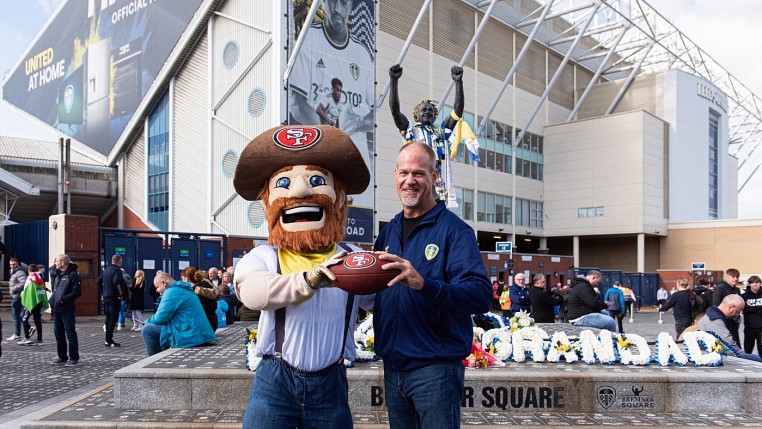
x,y
179,322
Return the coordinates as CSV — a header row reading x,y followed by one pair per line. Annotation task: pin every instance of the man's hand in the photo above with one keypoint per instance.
x,y
408,276
320,276
456,73
395,71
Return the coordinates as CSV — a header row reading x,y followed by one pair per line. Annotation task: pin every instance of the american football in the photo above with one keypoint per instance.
x,y
360,273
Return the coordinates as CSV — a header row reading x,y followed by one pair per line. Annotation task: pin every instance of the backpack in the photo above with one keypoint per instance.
x,y
615,303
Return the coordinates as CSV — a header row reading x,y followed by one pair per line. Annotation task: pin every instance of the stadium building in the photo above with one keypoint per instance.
x,y
607,138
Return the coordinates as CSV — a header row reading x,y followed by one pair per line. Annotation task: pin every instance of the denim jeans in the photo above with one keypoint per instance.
x,y
597,320
284,397
122,310
111,308
425,398
152,338
15,312
65,330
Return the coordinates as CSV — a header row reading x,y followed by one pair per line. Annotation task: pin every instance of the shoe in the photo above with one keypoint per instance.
x,y
138,329
119,327
72,363
112,344
13,338
26,342
104,328
32,330
38,343
58,361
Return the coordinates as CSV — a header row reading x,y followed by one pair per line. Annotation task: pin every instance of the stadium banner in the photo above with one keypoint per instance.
x,y
90,68
333,82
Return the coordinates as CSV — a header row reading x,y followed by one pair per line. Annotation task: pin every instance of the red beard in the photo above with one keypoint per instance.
x,y
335,216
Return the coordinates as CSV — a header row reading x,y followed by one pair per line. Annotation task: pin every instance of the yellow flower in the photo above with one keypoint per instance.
x,y
718,347
251,334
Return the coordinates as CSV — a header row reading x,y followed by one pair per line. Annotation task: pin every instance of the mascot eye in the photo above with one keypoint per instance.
x,y
317,180
283,182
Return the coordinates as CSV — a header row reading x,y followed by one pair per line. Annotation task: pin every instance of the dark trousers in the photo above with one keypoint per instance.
x,y
37,315
680,326
65,330
750,337
618,316
111,308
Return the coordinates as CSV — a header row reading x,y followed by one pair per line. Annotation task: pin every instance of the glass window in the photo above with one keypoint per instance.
x,y
599,211
714,143
158,164
481,207
468,204
582,212
490,208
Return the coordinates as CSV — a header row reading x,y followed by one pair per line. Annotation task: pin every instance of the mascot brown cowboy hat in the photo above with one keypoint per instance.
x,y
303,175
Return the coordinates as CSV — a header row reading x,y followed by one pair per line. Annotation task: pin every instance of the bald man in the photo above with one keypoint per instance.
x,y
722,321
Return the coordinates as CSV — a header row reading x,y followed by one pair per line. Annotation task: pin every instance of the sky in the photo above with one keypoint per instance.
x,y
727,30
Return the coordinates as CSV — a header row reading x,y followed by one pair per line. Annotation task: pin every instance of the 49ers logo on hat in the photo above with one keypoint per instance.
x,y
359,260
296,138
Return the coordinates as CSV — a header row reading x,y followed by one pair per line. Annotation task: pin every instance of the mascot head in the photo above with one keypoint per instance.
x,y
303,175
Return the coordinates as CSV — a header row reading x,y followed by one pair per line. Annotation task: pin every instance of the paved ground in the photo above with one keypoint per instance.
x,y
32,388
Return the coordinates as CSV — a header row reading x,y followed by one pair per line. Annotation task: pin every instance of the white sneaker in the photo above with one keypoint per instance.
x,y
119,327
13,337
104,328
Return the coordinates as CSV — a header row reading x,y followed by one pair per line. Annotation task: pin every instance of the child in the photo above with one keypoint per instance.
x,y
137,291
34,299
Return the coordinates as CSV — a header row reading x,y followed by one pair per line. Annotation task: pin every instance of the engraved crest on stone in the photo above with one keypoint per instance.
x,y
606,396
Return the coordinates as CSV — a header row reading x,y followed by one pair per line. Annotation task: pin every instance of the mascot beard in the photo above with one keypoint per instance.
x,y
307,241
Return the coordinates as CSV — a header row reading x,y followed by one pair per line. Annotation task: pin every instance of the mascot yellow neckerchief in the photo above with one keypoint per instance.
x,y
303,176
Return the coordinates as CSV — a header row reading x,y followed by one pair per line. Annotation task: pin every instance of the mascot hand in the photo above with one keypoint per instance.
x,y
320,276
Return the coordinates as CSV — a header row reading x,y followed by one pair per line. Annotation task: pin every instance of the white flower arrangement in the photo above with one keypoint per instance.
x,y
364,347
520,320
478,333
695,341
625,344
601,346
529,339
560,346
497,342
252,360
668,351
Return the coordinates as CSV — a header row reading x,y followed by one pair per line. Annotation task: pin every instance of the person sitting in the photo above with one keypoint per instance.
x,y
722,322
232,302
179,321
584,309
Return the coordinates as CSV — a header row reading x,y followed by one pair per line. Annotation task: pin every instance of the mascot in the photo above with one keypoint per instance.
x,y
303,176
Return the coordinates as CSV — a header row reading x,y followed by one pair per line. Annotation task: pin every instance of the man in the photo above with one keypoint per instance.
x,y
684,304
16,285
721,321
727,286
330,51
583,307
113,288
303,176
425,131
214,276
616,308
330,109
752,315
66,289
706,292
423,322
519,294
179,322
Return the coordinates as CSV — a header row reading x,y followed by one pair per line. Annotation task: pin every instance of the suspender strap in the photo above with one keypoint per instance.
x,y
350,306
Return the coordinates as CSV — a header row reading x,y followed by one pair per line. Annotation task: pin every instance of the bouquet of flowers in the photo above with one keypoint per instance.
x,y
479,358
252,360
520,320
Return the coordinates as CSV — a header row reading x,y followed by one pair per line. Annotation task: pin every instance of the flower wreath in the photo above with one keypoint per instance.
x,y
252,360
667,351
625,344
696,340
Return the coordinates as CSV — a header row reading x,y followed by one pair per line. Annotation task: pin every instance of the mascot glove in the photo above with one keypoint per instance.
x,y
320,276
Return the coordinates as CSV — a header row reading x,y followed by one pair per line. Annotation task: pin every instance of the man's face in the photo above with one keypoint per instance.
x,y
735,311
426,113
336,93
731,279
594,280
13,265
338,13
59,263
160,285
214,273
520,279
755,286
414,178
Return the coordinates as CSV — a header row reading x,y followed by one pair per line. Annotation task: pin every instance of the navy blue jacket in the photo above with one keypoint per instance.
x,y
413,328
111,283
519,299
680,302
66,289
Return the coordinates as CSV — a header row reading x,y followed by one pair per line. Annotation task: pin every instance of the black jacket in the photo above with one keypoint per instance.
x,y
752,312
680,303
582,300
111,283
66,289
706,295
542,304
722,290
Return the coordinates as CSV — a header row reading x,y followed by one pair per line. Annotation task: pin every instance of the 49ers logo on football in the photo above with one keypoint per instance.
x,y
296,138
356,261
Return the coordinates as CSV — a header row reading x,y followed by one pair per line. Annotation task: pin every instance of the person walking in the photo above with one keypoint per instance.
x,y
616,308
684,304
66,289
16,286
113,289
35,300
